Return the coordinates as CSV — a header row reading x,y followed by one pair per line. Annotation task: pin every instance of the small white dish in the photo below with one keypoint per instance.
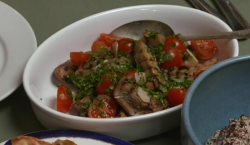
x,y
17,43
77,136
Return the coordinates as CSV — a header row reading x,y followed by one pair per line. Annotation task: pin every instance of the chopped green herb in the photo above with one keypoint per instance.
x,y
100,104
182,55
99,97
173,45
176,35
93,107
151,34
101,113
122,42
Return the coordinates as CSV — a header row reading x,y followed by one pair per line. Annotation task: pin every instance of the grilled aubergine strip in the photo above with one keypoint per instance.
x,y
156,40
132,98
67,68
63,70
145,60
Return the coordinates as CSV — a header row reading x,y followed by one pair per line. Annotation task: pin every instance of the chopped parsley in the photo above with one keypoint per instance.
x,y
157,53
99,97
176,35
173,45
98,54
190,49
150,34
101,113
93,107
84,107
100,104
122,42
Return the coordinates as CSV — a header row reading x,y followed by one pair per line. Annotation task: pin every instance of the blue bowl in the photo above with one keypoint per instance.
x,y
220,93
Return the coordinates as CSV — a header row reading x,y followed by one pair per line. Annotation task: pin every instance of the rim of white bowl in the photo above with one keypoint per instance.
x,y
186,103
133,118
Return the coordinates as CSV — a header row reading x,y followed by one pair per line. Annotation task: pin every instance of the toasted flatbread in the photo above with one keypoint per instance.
x,y
28,140
64,142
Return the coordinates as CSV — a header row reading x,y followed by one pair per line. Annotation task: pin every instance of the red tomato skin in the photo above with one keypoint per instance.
x,y
125,45
109,39
204,49
129,74
176,60
178,44
63,100
176,96
99,46
78,58
104,84
109,108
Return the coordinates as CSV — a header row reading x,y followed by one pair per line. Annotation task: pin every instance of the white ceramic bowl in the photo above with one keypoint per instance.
x,y
39,81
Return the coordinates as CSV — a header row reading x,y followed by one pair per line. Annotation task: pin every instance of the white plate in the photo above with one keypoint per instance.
x,y
77,136
17,43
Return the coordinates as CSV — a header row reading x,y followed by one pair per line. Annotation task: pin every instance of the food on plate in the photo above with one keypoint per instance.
x,y
236,133
122,77
29,140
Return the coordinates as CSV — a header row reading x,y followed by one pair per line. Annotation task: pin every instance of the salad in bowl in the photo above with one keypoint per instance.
x,y
139,77
122,77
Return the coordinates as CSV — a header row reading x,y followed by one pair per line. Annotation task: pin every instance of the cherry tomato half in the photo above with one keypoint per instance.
x,y
204,49
64,100
103,106
99,46
129,74
104,83
175,61
175,42
176,96
125,45
78,58
109,39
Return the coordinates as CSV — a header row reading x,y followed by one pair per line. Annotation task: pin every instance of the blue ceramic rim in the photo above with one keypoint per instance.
x,y
74,133
186,103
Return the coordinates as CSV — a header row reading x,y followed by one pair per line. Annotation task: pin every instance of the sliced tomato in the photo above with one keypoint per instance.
x,y
103,106
204,49
105,83
130,74
99,46
125,45
175,61
176,96
109,39
64,98
175,42
78,58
